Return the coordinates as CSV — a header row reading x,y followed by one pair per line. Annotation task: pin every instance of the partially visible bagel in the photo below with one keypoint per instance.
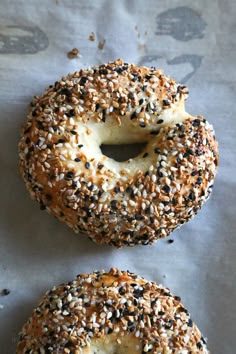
x,y
118,203
110,313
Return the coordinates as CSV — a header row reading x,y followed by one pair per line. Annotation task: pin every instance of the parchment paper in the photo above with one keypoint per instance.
x,y
192,40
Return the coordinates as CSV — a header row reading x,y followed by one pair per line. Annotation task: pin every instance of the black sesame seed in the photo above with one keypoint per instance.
x,y
196,122
104,115
116,189
166,103
77,159
199,345
128,189
83,80
169,324
166,188
154,132
100,166
177,298
189,152
133,115
65,91
161,313
182,309
178,160
40,125
74,185
192,196
69,175
190,323
160,121
80,146
145,154
87,165
122,291
27,140
73,132
199,180
71,113
113,204
97,107
103,71
141,101
119,69
138,293
60,141
194,173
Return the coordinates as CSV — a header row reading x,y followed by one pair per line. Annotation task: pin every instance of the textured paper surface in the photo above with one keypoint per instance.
x,y
194,42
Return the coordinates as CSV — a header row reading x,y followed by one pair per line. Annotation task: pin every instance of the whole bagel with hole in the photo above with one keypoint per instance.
x,y
118,203
116,313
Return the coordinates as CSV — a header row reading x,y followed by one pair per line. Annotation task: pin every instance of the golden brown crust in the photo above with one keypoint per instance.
x,y
110,309
128,203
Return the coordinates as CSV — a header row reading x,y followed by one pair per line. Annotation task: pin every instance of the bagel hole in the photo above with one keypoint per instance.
x,y
122,152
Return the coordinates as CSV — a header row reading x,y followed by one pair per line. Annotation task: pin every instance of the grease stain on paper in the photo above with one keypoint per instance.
x,y
182,23
22,40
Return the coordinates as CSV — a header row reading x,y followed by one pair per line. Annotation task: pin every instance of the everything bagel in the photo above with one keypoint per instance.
x,y
119,203
116,313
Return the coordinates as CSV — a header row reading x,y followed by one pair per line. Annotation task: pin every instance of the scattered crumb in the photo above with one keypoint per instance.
x,y
1,306
101,44
136,28
170,241
145,33
92,37
74,53
5,292
164,276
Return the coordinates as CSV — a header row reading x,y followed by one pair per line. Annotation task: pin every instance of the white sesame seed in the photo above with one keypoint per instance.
x,y
142,325
47,164
109,315
144,193
154,178
69,297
